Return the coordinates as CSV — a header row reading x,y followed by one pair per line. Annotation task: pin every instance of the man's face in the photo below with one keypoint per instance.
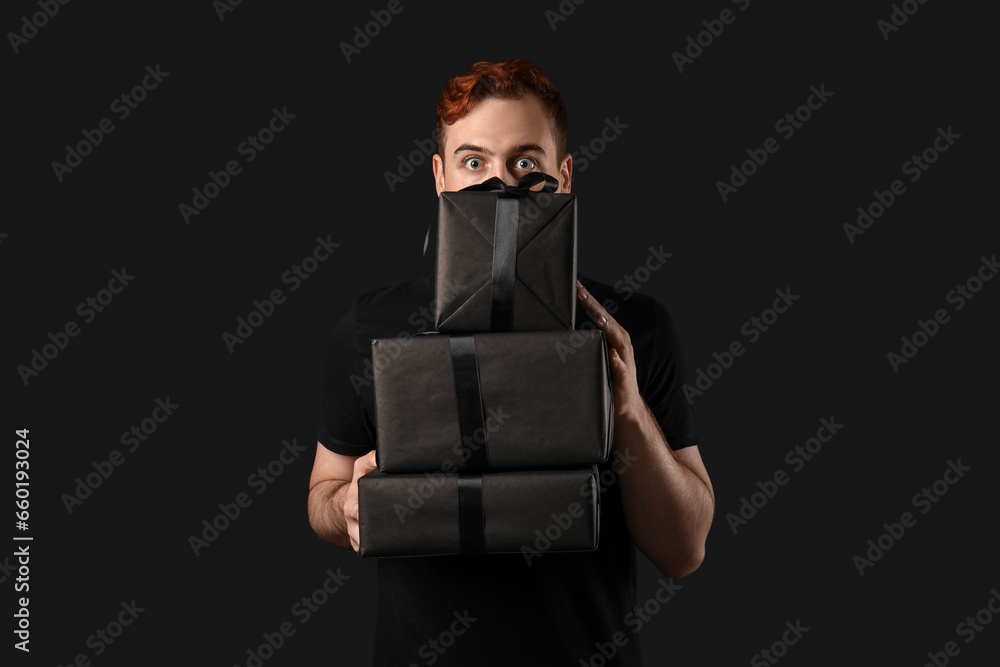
x,y
503,138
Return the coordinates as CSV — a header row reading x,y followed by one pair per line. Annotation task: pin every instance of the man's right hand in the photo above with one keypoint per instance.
x,y
333,496
362,466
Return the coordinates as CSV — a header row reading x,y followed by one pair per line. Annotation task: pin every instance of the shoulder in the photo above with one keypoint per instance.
x,y
401,293
641,315
393,310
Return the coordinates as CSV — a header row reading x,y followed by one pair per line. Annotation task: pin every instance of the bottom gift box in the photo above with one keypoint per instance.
x,y
502,512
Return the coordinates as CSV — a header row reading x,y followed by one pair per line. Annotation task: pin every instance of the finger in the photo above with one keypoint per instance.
x,y
366,460
351,507
354,531
612,330
364,464
619,369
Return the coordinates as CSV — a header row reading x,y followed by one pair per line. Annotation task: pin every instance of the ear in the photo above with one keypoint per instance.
x,y
566,174
438,163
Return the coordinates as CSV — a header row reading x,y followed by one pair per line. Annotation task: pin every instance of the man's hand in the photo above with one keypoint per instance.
x,y
362,466
667,496
625,387
333,495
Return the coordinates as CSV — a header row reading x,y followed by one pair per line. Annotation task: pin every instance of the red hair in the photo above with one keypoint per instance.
x,y
511,79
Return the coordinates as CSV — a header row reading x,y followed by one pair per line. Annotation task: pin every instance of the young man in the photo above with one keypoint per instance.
x,y
506,120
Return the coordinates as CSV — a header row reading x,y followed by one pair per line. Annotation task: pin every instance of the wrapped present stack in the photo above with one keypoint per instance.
x,y
488,430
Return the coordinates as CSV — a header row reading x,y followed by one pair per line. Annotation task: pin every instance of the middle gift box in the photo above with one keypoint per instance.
x,y
492,401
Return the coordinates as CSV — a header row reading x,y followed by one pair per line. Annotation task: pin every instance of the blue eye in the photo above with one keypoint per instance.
x,y
474,163
525,164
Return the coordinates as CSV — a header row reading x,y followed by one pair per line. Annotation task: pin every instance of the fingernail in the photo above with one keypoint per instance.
x,y
602,320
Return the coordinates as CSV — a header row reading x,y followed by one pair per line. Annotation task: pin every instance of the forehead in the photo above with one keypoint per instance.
x,y
500,124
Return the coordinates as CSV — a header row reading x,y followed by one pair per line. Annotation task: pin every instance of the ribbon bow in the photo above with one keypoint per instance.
x,y
523,187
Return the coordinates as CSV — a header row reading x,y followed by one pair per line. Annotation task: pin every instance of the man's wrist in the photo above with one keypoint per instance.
x,y
634,413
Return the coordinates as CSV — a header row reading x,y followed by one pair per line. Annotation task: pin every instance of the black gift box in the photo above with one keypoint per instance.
x,y
519,400
507,512
506,258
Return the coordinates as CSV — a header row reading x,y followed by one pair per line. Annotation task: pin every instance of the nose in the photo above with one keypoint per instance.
x,y
504,174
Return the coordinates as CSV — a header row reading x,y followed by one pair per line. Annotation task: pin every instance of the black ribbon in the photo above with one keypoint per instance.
x,y
523,187
471,518
504,263
505,241
471,421
472,433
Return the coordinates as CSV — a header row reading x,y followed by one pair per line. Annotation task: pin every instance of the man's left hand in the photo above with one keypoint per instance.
x,y
625,387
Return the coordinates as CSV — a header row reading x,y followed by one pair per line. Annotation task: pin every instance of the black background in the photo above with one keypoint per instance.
x,y
324,176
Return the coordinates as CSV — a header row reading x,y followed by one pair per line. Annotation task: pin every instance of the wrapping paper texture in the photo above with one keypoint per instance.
x,y
412,515
546,396
545,284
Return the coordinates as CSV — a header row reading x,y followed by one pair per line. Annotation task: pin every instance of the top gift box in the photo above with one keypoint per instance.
x,y
506,258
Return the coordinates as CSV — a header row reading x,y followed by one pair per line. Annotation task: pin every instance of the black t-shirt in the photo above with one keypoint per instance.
x,y
501,609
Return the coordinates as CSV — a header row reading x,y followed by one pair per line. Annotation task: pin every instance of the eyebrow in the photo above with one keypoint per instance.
x,y
523,148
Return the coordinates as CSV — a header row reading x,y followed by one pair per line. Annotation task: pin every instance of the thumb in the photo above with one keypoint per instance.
x,y
619,368
365,464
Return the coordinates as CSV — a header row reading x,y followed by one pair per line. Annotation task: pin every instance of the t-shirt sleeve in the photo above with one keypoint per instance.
x,y
664,392
344,427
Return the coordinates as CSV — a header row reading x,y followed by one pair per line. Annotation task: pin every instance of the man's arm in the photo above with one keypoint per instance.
x,y
333,495
667,495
